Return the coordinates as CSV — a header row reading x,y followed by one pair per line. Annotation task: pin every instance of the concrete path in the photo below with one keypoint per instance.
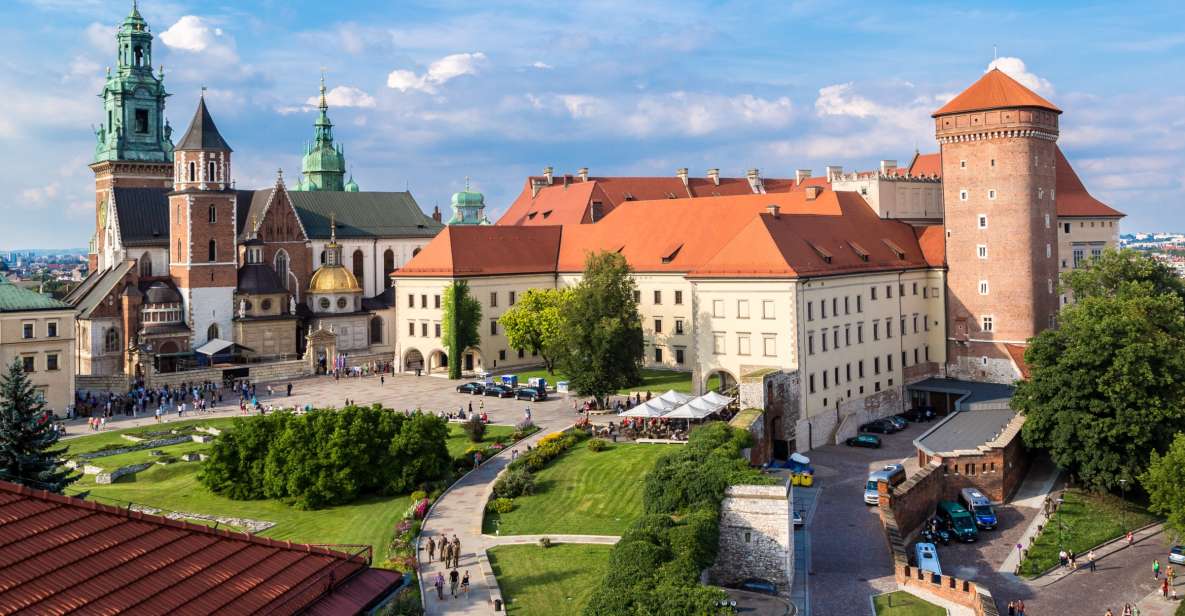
x,y
1101,553
1156,605
495,540
1042,479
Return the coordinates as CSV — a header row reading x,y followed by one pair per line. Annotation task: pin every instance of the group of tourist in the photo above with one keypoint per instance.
x,y
450,556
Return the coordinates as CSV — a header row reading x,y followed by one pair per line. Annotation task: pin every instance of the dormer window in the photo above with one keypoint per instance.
x,y
826,256
859,250
895,248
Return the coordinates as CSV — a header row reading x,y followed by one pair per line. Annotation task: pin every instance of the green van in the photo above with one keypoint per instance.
x,y
959,520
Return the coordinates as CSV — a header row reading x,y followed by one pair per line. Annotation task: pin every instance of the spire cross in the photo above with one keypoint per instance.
x,y
333,227
466,183
323,105
203,91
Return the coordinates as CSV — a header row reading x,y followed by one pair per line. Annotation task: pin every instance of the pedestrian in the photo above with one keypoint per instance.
x,y
290,389
439,586
465,584
1011,608
470,407
1090,557
1073,561
454,582
431,549
1130,537
1127,609
456,549
382,380
1171,575
1156,569
1020,608
1063,558
1109,612
1164,588
447,555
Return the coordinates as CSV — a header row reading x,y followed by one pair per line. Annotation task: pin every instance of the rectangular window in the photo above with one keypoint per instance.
x,y
810,311
915,323
411,300
142,121
904,360
823,339
657,297
51,361
926,352
889,363
436,301
822,309
876,330
835,306
1067,227
962,195
991,195
27,331
888,291
423,301
888,328
767,309
718,308
835,338
502,354
811,380
51,329
678,326
982,221
847,335
493,328
859,304
981,250
873,294
658,326
915,355
493,299
771,346
859,333
718,343
876,365
510,299
678,356
657,355
915,288
411,329
847,305
424,330
983,287
437,327
860,368
742,308
679,299
637,297
810,343
848,373
825,375
1079,255
27,363
742,344
987,323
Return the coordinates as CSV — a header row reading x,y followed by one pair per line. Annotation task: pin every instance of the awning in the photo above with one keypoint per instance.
x,y
675,398
650,408
214,347
697,408
717,398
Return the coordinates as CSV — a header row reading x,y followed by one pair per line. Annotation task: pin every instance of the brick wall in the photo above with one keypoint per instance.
x,y
913,502
756,537
997,471
947,587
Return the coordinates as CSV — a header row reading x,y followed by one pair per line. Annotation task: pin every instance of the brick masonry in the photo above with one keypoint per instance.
x,y
756,537
996,468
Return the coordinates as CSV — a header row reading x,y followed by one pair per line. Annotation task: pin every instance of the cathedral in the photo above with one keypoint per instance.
x,y
189,270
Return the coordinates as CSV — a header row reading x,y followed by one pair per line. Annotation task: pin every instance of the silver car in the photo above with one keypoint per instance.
x,y
1177,555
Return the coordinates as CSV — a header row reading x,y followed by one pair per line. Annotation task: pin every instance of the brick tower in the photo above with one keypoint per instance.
x,y
133,146
202,230
998,144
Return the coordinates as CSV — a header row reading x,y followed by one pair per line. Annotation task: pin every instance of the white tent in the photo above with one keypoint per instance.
x,y
717,398
697,408
214,347
675,398
650,408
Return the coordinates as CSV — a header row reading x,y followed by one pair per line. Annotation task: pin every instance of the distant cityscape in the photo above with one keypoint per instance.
x,y
50,271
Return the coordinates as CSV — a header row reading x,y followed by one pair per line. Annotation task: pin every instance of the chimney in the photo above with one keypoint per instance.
x,y
801,175
682,173
536,186
547,174
436,213
754,177
773,210
812,192
583,173
834,171
714,175
888,167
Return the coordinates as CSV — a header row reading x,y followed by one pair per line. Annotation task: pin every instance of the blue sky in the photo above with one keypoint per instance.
x,y
424,94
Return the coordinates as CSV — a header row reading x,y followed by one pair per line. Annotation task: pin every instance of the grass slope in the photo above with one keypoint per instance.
x,y
1083,521
539,581
583,493
458,441
901,603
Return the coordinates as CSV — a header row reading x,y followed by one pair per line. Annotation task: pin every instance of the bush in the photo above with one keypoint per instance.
x,y
598,444
419,495
500,505
515,483
475,428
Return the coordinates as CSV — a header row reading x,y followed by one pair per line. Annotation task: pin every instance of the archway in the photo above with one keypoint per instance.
x,y
212,332
472,360
719,380
438,361
413,360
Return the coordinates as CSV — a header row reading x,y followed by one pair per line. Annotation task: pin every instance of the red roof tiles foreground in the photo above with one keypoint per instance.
x,y
736,236
1017,353
1072,198
993,91
932,241
60,554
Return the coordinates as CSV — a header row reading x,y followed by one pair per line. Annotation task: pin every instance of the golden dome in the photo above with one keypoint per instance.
x,y
333,279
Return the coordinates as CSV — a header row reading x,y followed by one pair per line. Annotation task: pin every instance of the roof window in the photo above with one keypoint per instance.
x,y
859,250
820,250
671,251
895,248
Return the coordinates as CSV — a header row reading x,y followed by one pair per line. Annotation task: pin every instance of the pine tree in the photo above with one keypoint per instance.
x,y
27,436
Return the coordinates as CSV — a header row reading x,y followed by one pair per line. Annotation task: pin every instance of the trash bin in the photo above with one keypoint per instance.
x,y
497,605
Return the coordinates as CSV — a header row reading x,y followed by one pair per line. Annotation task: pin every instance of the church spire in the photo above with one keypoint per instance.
x,y
134,100
324,164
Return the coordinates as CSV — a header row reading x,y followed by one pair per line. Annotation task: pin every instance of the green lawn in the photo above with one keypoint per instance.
x,y
98,440
657,381
458,441
583,493
901,603
1083,521
544,581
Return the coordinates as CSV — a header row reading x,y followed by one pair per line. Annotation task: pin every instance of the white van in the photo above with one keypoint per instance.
x,y
893,474
927,555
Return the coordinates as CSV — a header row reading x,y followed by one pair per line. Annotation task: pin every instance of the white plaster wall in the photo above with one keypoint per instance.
x,y
207,305
372,257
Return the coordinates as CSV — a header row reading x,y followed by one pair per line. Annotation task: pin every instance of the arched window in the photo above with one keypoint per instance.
x,y
358,265
210,172
322,257
145,265
415,252
282,266
213,251
111,340
212,333
376,330
213,214
178,250
388,267
192,171
139,56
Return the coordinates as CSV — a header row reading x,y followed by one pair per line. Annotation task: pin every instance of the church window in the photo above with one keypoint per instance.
x,y
341,303
266,305
213,251
212,332
142,121
282,266
111,340
210,172
192,171
138,56
324,303
145,265
178,250
358,262
388,267
376,330
213,214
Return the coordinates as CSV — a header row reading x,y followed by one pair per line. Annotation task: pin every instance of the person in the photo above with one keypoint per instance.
x,y
1073,561
1090,558
1130,537
290,389
456,550
439,586
470,407
465,583
1063,558
1011,608
1156,569
1127,609
454,581
1020,608
1109,612
382,380
1170,574
431,549
1164,588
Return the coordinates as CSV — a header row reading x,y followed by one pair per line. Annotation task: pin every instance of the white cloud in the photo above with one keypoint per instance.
x,y
344,96
438,73
100,36
543,66
40,196
1015,68
838,100
580,106
197,35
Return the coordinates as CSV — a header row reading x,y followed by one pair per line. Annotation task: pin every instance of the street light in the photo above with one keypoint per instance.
x,y
1123,506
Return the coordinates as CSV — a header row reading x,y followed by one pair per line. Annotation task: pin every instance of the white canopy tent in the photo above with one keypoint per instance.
x,y
717,398
675,398
699,408
214,347
651,408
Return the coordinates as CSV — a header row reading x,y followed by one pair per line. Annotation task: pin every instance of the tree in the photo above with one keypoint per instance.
x,y
535,323
1165,482
1106,387
462,313
602,331
27,436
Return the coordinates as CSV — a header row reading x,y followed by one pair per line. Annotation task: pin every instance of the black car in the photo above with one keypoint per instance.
x,y
499,391
534,394
879,426
899,421
760,586
475,388
864,440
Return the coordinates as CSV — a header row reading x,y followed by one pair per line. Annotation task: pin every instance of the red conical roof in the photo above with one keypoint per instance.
x,y
993,91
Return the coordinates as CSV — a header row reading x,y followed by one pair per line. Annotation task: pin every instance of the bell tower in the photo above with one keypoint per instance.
x,y
133,144
203,253
999,155
323,165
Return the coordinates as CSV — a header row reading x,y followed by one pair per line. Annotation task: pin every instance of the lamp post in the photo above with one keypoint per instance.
x,y
1123,510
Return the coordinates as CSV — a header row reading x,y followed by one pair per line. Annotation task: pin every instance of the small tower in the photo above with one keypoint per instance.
x,y
998,145
333,289
469,208
324,164
202,226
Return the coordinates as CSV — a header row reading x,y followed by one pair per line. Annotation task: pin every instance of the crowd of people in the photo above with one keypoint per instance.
x,y
160,402
450,555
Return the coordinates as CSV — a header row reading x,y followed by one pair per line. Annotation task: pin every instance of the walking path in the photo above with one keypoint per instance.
x,y
1100,553
496,540
1031,494
1156,605
458,512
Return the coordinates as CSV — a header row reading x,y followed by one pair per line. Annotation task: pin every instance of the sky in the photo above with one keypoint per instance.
x,y
425,94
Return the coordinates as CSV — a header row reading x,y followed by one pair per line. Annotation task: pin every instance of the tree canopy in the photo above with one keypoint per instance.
x,y
461,316
1107,387
602,345
27,436
1165,483
536,323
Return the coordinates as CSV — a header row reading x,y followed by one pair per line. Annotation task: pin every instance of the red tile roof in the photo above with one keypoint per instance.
x,y
925,165
60,554
485,250
993,91
1017,353
1072,198
932,241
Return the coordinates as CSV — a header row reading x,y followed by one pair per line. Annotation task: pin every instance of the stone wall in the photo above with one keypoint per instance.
x,y
753,421
106,478
357,359
832,427
914,501
173,379
279,371
114,383
756,537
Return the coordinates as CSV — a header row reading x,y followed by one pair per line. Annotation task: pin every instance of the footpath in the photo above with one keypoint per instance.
x,y
1101,553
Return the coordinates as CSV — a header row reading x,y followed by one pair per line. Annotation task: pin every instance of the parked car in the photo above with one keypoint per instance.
x,y
499,391
534,394
864,440
893,474
958,520
927,558
899,421
1177,555
475,388
799,522
919,414
880,426
979,506
764,587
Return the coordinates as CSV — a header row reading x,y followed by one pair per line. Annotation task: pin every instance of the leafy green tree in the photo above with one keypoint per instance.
x,y
462,314
1165,483
536,323
602,345
1107,387
27,436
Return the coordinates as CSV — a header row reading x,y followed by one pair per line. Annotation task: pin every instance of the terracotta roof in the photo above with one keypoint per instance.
x,y
1072,198
993,91
932,240
60,554
925,165
1017,352
485,250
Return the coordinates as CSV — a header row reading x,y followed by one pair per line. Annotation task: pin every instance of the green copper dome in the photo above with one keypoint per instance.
x,y
469,208
323,166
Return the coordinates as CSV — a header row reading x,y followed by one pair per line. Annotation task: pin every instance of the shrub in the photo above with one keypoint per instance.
x,y
419,495
500,505
598,444
545,542
422,509
514,483
554,436
475,428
